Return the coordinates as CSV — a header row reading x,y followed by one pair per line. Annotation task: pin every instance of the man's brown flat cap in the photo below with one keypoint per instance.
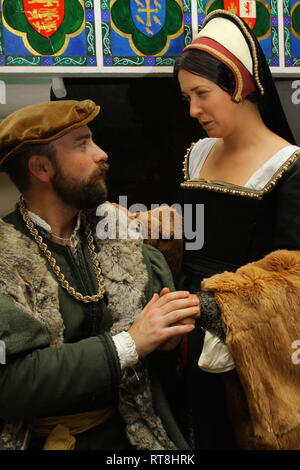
x,y
42,122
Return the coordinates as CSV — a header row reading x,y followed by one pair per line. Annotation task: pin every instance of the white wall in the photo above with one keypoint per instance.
x,y
19,92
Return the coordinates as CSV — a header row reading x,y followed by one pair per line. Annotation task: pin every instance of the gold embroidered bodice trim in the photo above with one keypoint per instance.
x,y
233,189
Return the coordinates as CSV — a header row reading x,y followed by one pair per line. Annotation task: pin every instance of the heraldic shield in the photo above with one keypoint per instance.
x,y
148,15
149,25
246,9
45,26
44,16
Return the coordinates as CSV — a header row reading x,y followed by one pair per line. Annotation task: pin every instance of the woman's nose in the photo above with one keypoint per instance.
x,y
195,109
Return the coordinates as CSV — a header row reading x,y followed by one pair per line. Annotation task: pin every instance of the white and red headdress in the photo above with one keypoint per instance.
x,y
223,36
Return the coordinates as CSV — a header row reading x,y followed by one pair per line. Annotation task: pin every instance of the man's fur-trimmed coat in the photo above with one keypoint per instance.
x,y
25,279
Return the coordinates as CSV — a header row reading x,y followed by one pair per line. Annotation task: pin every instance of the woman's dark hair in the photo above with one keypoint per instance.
x,y
205,65
17,166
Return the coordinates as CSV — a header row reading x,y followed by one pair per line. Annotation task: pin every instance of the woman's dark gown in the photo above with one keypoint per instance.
x,y
241,225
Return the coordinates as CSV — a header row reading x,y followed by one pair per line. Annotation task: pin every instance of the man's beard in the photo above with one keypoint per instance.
x,y
81,195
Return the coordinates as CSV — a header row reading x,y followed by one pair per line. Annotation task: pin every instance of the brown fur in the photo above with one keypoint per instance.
x,y
169,224
260,307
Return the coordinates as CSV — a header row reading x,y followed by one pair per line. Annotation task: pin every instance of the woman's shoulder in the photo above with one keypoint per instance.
x,y
292,164
198,153
275,166
203,146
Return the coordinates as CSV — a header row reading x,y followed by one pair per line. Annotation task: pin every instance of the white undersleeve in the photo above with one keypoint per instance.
x,y
126,349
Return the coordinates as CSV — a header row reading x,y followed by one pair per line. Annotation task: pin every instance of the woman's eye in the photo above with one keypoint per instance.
x,y
186,98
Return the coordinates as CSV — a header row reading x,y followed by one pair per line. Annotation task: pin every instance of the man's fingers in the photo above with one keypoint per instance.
x,y
154,299
178,330
172,296
166,297
179,304
179,315
164,291
186,321
194,296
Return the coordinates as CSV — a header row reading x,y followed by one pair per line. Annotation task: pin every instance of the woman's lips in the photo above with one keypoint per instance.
x,y
206,123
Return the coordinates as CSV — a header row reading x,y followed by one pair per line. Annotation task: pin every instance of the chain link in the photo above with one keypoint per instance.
x,y
52,261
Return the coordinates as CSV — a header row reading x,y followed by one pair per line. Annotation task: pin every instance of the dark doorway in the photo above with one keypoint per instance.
x,y
145,128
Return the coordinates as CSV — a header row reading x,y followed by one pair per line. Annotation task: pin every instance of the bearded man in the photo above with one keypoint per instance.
x,y
78,313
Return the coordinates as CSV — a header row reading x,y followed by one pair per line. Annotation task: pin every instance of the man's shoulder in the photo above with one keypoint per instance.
x,y
14,236
14,219
151,252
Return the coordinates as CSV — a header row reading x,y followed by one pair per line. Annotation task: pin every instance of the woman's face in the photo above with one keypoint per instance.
x,y
213,107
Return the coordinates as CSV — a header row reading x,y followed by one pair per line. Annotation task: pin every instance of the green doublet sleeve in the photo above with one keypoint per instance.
x,y
161,363
20,332
38,380
159,273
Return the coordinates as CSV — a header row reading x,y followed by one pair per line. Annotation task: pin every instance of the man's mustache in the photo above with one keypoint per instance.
x,y
102,169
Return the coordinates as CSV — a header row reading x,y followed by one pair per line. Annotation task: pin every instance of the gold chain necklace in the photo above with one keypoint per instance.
x,y
52,261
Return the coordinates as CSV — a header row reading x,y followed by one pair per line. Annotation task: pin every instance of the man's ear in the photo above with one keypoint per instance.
x,y
40,167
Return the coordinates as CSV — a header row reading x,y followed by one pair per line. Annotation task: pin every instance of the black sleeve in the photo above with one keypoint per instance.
x,y
210,317
287,223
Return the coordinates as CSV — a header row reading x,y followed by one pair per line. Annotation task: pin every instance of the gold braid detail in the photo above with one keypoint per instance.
x,y
235,190
52,261
185,165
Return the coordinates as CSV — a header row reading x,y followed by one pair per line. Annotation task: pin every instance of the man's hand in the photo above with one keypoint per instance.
x,y
161,320
171,343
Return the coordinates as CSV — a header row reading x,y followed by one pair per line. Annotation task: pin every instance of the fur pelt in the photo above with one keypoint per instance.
x,y
260,308
162,228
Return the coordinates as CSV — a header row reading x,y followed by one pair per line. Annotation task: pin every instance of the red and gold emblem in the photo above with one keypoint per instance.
x,y
244,9
45,16
46,26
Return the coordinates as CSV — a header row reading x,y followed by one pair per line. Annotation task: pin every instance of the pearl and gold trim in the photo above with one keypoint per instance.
x,y
232,189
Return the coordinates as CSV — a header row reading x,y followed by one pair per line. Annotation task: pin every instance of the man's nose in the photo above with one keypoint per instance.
x,y
100,154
